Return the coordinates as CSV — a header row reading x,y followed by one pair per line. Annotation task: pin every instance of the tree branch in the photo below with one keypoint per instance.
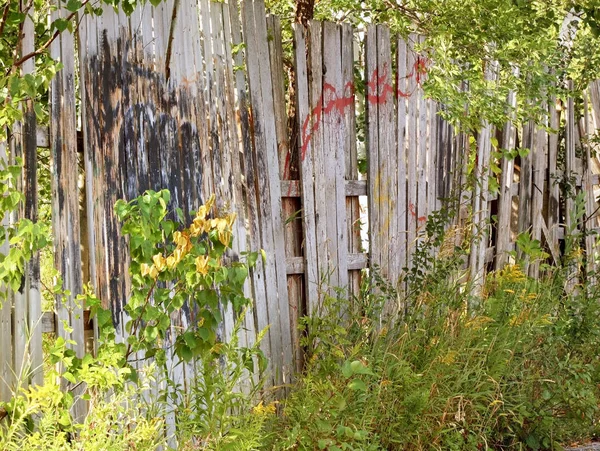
x,y
4,18
46,44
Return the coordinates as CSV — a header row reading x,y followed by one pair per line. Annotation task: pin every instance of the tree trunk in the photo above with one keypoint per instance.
x,y
305,10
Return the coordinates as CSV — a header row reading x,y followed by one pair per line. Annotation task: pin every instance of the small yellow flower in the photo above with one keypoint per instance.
x,y
261,409
449,358
202,264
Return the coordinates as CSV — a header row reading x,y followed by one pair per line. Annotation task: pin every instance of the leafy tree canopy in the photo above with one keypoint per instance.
x,y
547,42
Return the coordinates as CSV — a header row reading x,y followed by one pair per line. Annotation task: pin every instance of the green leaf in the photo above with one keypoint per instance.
x,y
73,5
357,385
61,25
179,213
359,367
347,369
150,333
185,353
68,376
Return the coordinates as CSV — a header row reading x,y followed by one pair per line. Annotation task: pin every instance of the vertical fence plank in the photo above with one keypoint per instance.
x,y
402,93
316,146
65,197
421,208
526,181
247,333
334,107
256,320
553,219
570,174
590,201
388,161
261,95
65,191
432,158
413,112
505,197
223,187
305,145
372,148
287,171
27,339
538,187
32,277
480,203
6,302
352,203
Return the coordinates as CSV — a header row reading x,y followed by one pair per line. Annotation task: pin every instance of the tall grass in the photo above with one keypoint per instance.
x,y
518,368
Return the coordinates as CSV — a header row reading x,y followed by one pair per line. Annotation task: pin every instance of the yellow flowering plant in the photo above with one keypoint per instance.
x,y
176,269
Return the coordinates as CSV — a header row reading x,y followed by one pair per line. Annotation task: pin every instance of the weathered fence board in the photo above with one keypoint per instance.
x,y
6,336
261,96
400,242
353,216
306,166
505,195
26,301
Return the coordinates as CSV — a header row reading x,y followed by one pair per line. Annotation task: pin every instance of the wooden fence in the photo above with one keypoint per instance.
x,y
201,108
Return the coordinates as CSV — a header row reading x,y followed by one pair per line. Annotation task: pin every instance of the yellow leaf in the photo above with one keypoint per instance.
x,y
159,261
221,224
225,237
231,218
153,272
202,264
210,202
202,212
145,269
197,227
171,261
178,255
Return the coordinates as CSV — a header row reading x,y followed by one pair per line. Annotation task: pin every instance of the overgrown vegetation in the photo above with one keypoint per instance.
x,y
517,368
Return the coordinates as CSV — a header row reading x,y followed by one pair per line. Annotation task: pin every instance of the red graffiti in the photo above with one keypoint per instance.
x,y
419,72
413,213
378,90
328,103
377,87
